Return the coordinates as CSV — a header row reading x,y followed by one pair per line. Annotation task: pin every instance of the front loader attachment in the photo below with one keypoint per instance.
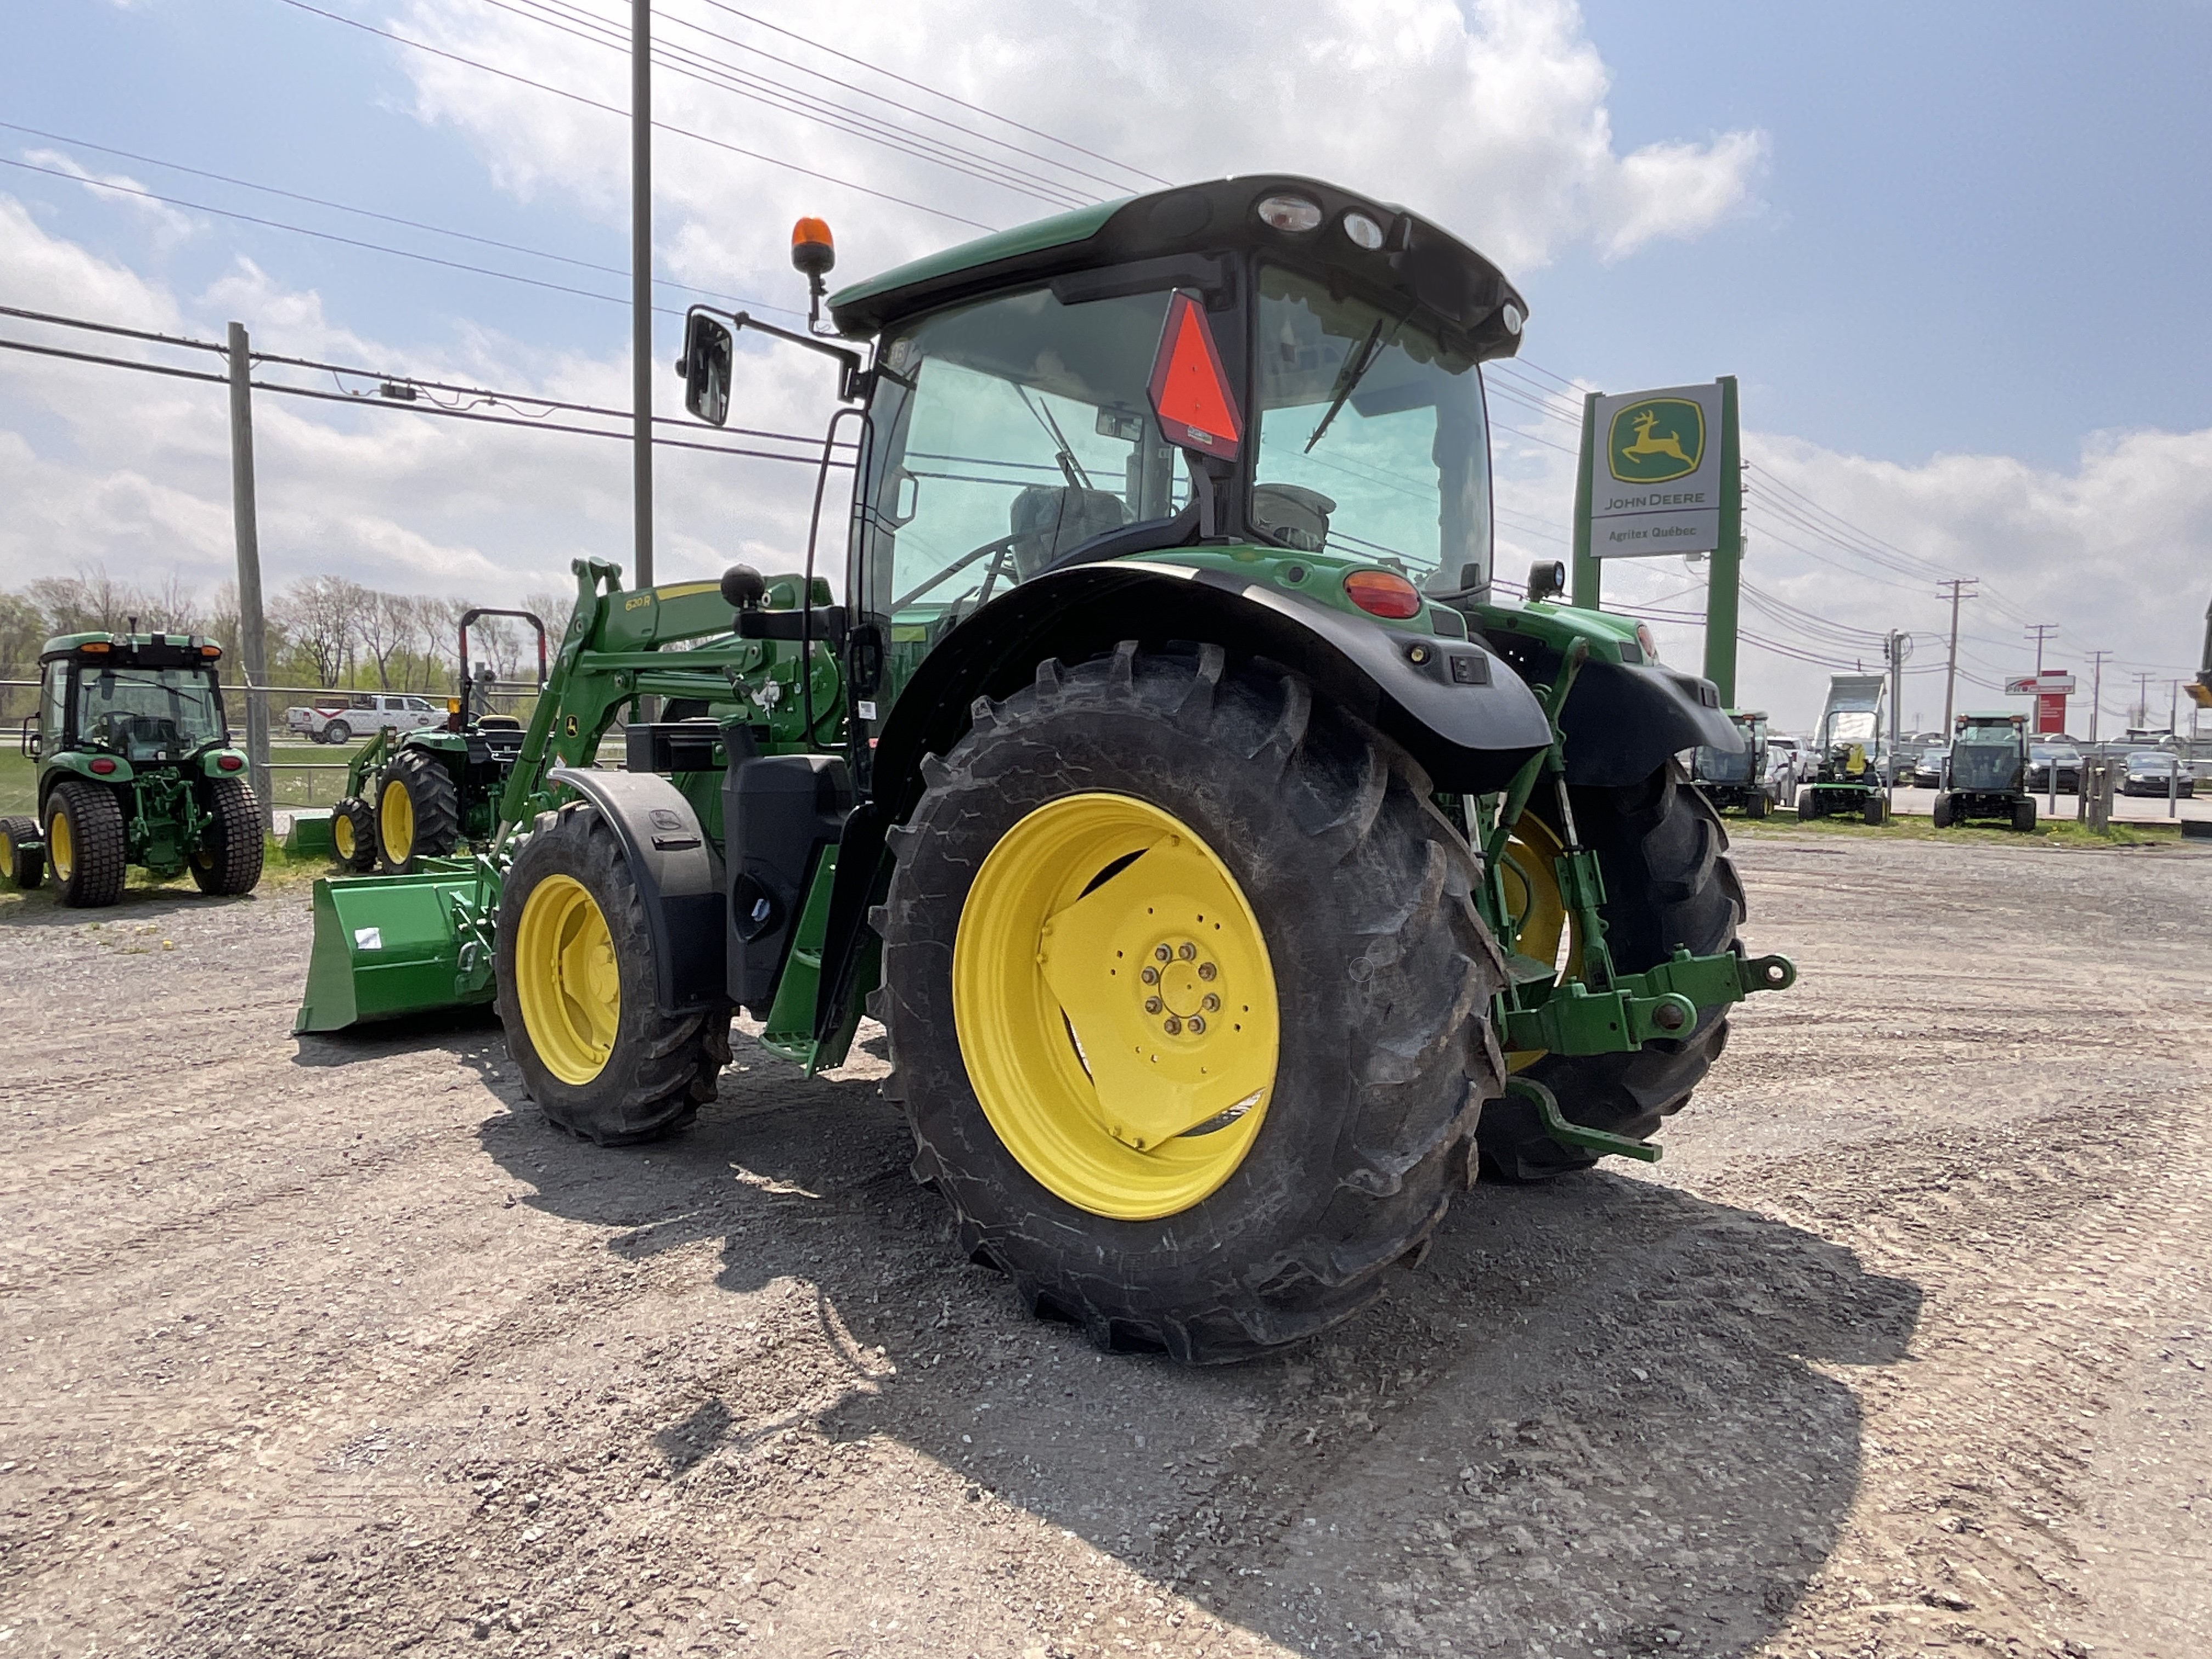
x,y
386,946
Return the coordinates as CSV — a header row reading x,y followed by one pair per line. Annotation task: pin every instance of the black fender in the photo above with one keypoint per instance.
x,y
1450,703
1623,720
678,876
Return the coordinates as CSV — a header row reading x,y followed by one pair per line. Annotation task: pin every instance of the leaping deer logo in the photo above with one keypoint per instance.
x,y
1668,441
1643,420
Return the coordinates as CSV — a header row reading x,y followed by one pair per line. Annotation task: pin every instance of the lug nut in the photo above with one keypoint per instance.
x,y
1153,1005
1211,1002
1174,1026
1164,953
1150,975
1197,1024
1205,970
1187,951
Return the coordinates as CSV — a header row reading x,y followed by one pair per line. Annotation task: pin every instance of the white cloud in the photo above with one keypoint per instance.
x,y
170,226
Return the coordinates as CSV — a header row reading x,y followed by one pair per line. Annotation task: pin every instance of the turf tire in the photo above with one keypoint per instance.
x,y
1945,812
1668,885
228,860
663,1066
1875,812
1383,975
1808,804
2023,816
101,854
25,865
437,805
361,818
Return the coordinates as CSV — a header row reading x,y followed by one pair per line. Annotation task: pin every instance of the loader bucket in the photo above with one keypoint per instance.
x,y
310,834
386,946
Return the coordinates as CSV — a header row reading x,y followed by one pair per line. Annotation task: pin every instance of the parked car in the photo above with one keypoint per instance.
x,y
2152,772
347,715
2042,757
1784,767
1928,770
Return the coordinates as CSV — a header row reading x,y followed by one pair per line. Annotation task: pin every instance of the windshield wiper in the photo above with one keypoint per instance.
x,y
1356,365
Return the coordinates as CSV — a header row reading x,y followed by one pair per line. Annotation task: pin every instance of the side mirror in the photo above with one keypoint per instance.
x,y
708,351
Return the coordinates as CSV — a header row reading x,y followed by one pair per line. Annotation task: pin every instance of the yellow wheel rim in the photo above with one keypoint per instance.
x,y
342,835
567,979
1537,922
1116,1007
60,846
399,812
7,855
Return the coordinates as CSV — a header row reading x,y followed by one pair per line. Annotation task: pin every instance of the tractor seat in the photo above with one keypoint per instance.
x,y
1050,518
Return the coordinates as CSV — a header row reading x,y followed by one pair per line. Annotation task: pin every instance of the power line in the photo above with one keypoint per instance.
x,y
371,213
661,126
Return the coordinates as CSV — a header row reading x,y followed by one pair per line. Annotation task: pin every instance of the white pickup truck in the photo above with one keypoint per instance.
x,y
347,715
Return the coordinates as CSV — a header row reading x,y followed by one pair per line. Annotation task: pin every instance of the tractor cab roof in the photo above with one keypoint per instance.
x,y
1187,237
155,650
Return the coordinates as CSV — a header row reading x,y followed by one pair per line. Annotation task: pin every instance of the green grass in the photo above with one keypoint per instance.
x,y
2055,833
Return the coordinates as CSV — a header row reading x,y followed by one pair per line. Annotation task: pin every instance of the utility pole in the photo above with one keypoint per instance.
x,y
1586,579
1897,647
252,632
2142,699
2042,632
640,288
1959,586
2096,689
1723,586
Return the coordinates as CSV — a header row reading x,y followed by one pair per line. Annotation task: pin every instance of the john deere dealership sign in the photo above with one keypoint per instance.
x,y
1656,486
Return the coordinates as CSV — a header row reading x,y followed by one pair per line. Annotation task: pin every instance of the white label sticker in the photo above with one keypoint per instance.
x,y
368,938
867,711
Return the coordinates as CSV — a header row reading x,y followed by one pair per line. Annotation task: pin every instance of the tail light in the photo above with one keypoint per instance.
x,y
229,762
1383,593
103,766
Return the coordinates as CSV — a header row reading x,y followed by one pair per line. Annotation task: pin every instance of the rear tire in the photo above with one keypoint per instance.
x,y
1668,885
229,861
653,1070
353,834
1875,812
1942,814
85,845
1758,807
418,812
1382,977
25,865
337,731
1808,804
2023,817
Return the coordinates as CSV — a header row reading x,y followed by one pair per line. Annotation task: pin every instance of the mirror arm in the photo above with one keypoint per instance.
x,y
852,380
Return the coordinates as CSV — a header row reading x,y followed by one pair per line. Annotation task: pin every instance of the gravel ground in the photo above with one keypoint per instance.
x,y
333,1347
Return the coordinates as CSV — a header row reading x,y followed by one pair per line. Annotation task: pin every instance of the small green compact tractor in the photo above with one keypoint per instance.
x,y
1985,775
421,794
1736,780
1847,776
135,767
1235,877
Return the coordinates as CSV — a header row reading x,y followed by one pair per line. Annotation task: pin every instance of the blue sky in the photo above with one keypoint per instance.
x,y
1946,247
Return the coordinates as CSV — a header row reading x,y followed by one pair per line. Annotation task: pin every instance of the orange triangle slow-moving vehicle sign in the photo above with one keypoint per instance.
x,y
1189,389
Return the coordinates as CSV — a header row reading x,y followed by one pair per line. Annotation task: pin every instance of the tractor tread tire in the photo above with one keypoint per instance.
x,y
664,1067
362,817
25,866
437,803
102,849
1662,850
1384,975
232,845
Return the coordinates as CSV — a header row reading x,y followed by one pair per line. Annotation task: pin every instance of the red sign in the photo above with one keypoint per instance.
x,y
1190,392
2050,712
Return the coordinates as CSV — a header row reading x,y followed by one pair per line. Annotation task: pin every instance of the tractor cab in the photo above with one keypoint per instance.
x,y
1736,780
135,767
1985,773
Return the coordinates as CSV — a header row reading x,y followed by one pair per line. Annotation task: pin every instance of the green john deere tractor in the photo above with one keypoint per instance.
x,y
135,767
1234,876
1985,773
423,793
1734,780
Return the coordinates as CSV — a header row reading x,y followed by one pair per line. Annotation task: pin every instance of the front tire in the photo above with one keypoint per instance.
x,y
1944,814
85,844
1668,885
578,993
1808,804
228,859
418,812
1134,804
2023,816
22,863
353,834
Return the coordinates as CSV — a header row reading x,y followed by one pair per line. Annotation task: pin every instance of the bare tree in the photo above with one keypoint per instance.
x,y
385,628
323,614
